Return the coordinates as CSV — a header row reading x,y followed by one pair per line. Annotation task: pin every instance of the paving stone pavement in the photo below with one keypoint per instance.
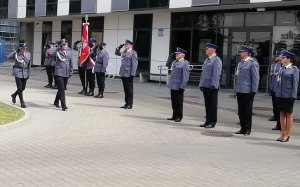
x,y
95,143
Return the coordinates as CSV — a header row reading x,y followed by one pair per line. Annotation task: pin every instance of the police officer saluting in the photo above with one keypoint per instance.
x,y
273,86
288,80
209,84
129,64
90,75
247,81
63,71
178,81
21,71
100,68
49,63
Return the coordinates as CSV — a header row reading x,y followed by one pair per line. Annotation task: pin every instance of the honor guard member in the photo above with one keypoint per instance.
x,y
247,81
273,86
129,64
63,71
21,71
178,81
288,80
209,84
81,68
100,68
90,75
49,60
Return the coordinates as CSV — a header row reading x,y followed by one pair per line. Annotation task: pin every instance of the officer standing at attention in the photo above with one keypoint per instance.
x,y
288,80
247,81
273,86
209,84
21,71
49,58
129,64
63,71
100,68
90,75
178,81
81,68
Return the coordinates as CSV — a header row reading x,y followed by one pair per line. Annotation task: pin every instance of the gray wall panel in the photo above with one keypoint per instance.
x,y
88,6
40,8
119,5
232,2
204,2
12,8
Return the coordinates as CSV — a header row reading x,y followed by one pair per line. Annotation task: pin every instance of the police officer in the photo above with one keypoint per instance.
x,y
100,68
81,68
63,71
129,64
90,75
49,59
178,82
209,84
274,70
288,80
247,81
21,71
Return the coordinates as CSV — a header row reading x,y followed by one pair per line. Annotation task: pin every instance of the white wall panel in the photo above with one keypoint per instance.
x,y
103,6
37,45
180,3
262,1
63,7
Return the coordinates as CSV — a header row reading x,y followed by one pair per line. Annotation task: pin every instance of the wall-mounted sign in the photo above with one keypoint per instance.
x,y
204,2
161,32
232,2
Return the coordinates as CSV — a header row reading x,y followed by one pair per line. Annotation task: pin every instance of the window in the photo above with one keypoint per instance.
x,y
3,8
234,20
96,28
260,19
143,4
285,18
66,31
51,7
30,8
75,7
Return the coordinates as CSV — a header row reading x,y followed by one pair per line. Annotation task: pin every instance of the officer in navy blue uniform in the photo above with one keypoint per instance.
x,y
102,59
63,71
49,58
178,81
209,84
274,70
288,80
21,71
81,68
129,64
90,75
247,81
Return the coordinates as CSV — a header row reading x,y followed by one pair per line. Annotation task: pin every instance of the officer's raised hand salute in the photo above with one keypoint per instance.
x,y
129,64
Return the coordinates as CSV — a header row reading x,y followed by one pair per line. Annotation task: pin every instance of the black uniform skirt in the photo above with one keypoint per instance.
x,y
285,104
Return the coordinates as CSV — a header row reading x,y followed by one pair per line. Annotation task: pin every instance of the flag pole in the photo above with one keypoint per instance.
x,y
85,74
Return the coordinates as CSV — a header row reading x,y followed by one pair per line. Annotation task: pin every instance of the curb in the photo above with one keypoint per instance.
x,y
17,123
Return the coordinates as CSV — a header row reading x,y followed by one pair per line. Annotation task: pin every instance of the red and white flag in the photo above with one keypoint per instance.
x,y
85,48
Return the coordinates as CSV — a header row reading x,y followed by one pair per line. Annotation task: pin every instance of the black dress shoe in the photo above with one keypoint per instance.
x,y
82,92
23,105
171,119
178,120
54,87
272,119
125,106
203,125
210,125
64,108
13,98
90,94
240,132
247,133
48,86
276,128
99,96
129,107
56,105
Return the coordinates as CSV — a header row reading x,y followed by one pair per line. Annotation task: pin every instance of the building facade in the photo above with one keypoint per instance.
x,y
157,27
9,32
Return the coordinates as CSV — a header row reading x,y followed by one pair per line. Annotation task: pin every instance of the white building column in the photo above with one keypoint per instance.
x,y
116,30
76,35
160,42
37,46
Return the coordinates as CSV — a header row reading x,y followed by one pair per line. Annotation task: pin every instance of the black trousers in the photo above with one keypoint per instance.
x,y
276,111
100,81
211,104
81,72
50,73
245,105
90,76
61,87
128,90
21,85
177,103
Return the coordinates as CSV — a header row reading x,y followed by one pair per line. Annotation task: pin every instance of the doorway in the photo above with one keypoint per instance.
x,y
261,41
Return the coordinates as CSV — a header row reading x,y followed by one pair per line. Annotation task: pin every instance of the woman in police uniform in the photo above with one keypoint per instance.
x,y
21,71
288,79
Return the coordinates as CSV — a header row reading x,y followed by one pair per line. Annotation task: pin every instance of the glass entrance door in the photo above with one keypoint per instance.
x,y
260,40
